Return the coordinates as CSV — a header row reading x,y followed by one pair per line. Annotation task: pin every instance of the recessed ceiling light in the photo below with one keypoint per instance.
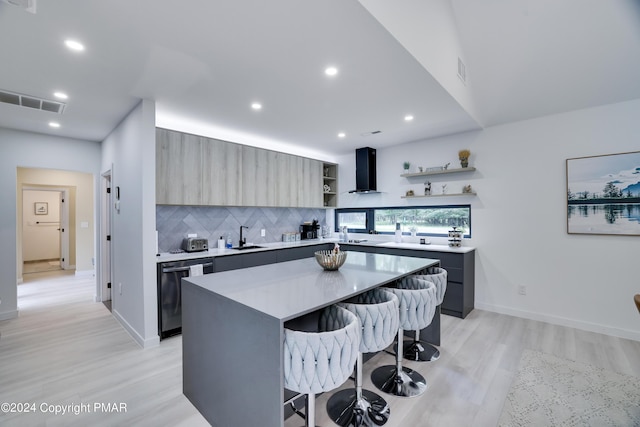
x,y
408,118
342,135
54,124
256,106
74,45
331,71
60,95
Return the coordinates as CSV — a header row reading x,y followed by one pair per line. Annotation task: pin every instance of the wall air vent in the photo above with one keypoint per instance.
x,y
462,71
28,5
31,102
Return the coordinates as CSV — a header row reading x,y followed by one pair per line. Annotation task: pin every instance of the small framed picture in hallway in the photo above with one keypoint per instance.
x,y
41,208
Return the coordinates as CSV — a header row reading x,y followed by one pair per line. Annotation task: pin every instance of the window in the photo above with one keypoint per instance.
x,y
426,220
355,220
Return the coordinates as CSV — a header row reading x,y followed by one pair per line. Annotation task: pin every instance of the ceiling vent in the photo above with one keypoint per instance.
x,y
31,102
28,5
375,132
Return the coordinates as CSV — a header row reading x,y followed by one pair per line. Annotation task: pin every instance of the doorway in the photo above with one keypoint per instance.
x,y
105,240
45,237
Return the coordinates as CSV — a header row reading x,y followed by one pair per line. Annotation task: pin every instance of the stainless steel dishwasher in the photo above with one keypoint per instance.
x,y
170,276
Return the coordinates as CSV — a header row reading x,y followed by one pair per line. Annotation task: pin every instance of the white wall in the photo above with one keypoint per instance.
x,y
428,31
129,152
519,216
24,149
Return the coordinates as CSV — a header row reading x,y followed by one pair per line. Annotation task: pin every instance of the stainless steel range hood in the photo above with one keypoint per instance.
x,y
365,171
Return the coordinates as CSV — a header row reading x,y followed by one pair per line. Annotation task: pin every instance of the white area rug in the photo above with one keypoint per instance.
x,y
550,391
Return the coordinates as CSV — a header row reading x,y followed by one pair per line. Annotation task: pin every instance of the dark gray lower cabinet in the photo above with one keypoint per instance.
x,y
227,262
290,254
460,295
246,260
253,259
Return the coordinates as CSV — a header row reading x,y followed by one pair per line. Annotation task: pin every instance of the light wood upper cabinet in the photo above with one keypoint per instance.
x,y
222,173
311,182
258,177
178,168
283,184
194,170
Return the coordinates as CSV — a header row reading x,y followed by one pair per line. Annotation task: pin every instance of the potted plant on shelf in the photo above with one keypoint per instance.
x,y
463,155
406,166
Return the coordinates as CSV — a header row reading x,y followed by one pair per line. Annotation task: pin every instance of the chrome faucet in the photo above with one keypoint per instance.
x,y
243,241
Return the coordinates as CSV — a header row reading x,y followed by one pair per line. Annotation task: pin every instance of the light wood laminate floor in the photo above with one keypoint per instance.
x,y
65,349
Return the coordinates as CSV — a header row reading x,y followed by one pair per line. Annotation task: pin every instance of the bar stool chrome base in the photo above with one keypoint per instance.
x,y
403,383
347,411
420,351
310,405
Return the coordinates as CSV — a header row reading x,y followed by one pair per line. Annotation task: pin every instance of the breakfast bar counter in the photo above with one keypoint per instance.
x,y
233,322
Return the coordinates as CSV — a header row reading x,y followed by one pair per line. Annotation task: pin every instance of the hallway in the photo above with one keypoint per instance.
x,y
40,266
66,349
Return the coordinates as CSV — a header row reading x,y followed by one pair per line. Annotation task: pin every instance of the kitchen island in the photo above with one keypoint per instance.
x,y
233,322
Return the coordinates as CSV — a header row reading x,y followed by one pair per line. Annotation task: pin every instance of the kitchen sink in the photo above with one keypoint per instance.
x,y
242,248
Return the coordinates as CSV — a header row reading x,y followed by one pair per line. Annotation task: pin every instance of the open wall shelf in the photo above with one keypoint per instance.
x,y
330,179
438,172
439,195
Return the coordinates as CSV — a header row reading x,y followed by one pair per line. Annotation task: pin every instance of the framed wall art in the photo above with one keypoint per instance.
x,y
603,194
41,208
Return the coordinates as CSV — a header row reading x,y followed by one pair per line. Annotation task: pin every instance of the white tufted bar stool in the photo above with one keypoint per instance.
x,y
417,306
315,362
378,313
417,350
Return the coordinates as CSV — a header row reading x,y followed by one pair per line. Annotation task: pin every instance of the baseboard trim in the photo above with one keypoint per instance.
x,y
8,315
148,343
561,321
85,273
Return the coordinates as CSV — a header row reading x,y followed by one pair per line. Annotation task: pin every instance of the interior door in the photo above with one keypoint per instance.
x,y
105,238
64,230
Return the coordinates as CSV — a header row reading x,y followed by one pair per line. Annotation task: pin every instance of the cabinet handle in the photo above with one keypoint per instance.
x,y
175,269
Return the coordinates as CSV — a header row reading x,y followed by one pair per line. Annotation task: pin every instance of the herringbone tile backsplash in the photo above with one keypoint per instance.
x,y
175,222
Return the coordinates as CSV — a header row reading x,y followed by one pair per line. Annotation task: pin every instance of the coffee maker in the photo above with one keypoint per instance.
x,y
309,230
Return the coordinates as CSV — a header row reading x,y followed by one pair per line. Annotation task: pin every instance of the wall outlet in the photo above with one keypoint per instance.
x,y
522,290
192,235
263,232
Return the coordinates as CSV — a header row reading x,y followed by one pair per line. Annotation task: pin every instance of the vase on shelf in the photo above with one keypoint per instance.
x,y
455,237
463,155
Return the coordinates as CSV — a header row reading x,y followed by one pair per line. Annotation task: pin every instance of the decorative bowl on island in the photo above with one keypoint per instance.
x,y
331,259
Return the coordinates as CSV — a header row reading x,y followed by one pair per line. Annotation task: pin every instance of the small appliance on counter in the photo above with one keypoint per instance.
x,y
290,237
309,230
195,244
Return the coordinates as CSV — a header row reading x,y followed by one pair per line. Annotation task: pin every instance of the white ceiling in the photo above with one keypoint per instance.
x,y
204,65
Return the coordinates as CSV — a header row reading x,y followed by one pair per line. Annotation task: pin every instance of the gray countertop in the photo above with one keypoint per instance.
x,y
167,257
215,252
416,246
290,289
